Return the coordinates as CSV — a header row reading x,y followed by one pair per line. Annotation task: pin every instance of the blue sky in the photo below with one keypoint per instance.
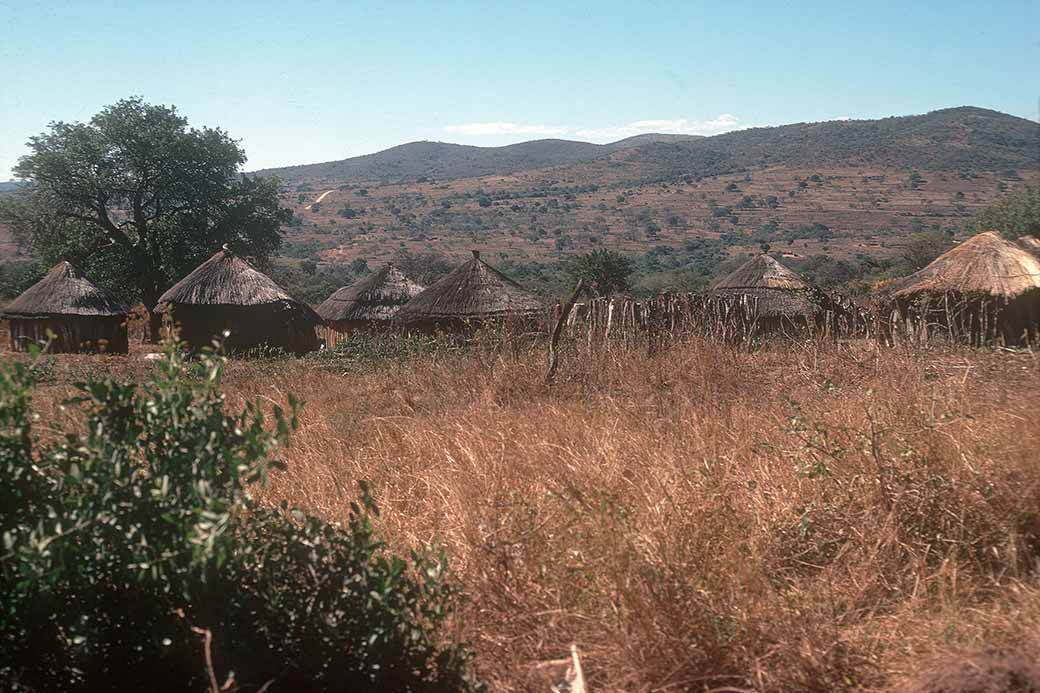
x,y
299,82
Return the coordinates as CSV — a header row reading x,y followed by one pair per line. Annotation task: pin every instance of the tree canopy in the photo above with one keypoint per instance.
x,y
923,247
1013,215
137,198
605,272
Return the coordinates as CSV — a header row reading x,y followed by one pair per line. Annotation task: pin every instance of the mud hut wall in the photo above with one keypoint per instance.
x,y
273,326
72,333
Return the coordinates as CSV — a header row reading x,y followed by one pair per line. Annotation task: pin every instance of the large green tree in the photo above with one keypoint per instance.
x,y
138,198
1015,214
604,272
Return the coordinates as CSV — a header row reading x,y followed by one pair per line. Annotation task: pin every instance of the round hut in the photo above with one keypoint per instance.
x,y
226,293
83,317
471,295
371,302
985,290
776,297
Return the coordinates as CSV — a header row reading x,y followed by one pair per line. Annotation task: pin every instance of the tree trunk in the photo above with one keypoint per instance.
x,y
558,329
154,333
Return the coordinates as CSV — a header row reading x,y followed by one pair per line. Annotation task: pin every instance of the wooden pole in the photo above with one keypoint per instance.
x,y
560,322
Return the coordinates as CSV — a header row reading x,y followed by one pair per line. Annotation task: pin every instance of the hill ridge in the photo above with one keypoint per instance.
x,y
969,137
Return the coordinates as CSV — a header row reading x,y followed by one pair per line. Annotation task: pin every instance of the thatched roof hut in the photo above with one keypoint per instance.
x,y
472,294
1030,244
778,293
372,301
83,317
227,293
985,289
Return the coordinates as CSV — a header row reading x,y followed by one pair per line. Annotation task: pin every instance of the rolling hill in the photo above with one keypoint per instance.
x,y
841,191
964,138
444,161
954,139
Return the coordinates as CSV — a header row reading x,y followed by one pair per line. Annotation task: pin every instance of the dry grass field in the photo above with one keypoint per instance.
x,y
810,517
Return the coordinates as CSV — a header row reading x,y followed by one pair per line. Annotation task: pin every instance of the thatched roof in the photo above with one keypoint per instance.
x,y
473,291
1030,244
227,280
777,290
377,297
983,264
64,291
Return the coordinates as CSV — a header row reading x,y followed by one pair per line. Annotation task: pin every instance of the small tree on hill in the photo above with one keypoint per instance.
x,y
1014,215
138,199
924,247
605,272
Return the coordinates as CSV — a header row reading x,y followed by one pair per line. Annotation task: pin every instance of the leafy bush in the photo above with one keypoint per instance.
x,y
349,212
16,277
604,272
361,350
135,553
1016,214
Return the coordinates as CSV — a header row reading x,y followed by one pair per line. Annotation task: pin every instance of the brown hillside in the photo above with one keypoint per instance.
x,y
541,215
841,188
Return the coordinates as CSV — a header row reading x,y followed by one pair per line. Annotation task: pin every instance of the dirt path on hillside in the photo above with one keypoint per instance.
x,y
321,197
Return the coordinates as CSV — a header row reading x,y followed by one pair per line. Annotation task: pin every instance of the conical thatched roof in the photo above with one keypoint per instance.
x,y
983,264
777,289
227,280
377,297
762,272
473,291
1030,244
64,291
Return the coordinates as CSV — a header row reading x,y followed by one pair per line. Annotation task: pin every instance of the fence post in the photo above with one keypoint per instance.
x,y
555,339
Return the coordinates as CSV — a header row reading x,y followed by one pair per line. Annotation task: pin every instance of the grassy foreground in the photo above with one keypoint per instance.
x,y
821,517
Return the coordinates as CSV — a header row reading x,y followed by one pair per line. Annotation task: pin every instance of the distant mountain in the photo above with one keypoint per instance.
x,y
965,138
953,139
441,160
651,138
8,186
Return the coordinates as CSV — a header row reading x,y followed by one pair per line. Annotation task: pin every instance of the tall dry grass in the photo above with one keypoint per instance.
x,y
810,518
815,518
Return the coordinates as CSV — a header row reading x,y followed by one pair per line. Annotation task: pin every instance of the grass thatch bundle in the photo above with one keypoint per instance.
x,y
226,293
376,299
1030,244
473,293
776,291
984,289
81,316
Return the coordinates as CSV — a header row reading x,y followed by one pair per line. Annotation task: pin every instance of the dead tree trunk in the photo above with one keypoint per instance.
x,y
558,328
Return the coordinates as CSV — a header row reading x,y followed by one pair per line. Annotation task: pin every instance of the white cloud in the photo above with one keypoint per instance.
x,y
491,129
678,126
681,126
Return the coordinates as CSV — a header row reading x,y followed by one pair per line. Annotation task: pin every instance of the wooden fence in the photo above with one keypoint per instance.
x,y
959,319
736,319
733,319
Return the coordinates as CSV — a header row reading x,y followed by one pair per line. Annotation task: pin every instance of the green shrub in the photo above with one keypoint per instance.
x,y
361,350
133,539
